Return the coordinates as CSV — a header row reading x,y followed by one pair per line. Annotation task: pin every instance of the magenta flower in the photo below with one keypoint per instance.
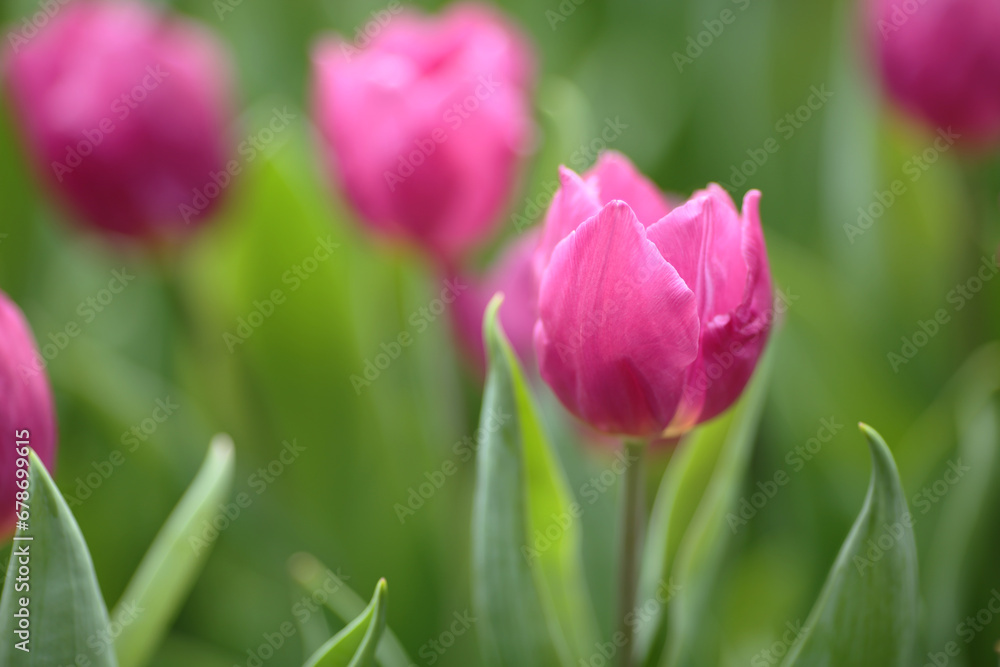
x,y
512,274
26,410
125,113
427,125
940,60
651,320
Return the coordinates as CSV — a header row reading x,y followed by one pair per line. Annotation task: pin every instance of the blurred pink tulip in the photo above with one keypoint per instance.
x,y
26,409
940,61
426,126
651,320
126,114
513,275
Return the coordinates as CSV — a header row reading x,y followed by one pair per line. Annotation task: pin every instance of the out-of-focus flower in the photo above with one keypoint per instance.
x,y
650,320
940,60
26,409
425,128
125,112
512,274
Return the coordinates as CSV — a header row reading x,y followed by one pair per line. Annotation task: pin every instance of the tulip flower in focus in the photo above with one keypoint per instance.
x,y
125,112
514,277
425,127
651,320
940,60
26,409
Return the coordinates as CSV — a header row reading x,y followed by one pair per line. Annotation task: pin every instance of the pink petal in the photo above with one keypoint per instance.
x,y
574,202
617,178
703,240
617,326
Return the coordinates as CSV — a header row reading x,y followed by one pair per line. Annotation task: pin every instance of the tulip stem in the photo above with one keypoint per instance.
x,y
632,521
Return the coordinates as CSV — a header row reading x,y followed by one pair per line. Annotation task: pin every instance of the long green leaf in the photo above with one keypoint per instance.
x,y
519,626
688,529
341,599
64,620
703,545
355,645
171,565
866,614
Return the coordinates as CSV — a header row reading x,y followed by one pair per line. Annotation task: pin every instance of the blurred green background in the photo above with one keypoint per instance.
x,y
851,301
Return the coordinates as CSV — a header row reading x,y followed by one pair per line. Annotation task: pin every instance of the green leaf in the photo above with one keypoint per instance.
x,y
529,593
67,619
866,614
314,578
355,645
171,565
689,528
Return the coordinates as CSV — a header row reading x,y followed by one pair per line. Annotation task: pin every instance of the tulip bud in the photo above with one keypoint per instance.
x,y
425,124
125,113
650,320
26,412
940,61
512,275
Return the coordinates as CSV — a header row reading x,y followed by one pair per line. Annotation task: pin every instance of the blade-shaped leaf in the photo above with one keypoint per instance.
x,y
172,563
529,594
688,529
866,614
703,545
341,599
50,568
355,645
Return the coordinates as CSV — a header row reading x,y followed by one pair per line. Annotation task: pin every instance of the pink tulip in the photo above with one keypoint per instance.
x,y
651,320
513,276
426,126
26,410
940,60
125,113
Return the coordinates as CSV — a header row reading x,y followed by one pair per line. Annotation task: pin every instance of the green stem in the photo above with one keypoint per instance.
x,y
632,520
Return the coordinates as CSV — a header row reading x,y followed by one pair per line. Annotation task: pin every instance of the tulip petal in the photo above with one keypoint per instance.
x,y
617,326
723,257
702,239
574,202
617,178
